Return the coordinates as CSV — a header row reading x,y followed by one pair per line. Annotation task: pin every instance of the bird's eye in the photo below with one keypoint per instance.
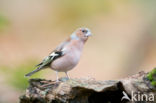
x,y
83,31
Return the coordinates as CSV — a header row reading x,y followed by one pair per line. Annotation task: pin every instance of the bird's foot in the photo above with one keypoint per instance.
x,y
64,79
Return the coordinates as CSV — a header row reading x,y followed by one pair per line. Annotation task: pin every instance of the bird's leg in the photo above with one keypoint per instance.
x,y
67,75
57,78
47,83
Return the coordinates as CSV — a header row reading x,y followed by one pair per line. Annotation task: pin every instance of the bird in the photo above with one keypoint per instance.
x,y
66,55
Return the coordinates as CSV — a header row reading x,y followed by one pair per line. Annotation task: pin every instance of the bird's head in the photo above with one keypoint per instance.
x,y
81,34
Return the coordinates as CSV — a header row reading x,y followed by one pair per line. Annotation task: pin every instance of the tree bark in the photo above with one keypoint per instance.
x,y
88,90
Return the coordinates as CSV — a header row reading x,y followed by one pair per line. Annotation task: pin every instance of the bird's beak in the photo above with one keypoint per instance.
x,y
89,34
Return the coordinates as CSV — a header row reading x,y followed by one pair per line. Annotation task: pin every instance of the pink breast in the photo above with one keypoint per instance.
x,y
65,63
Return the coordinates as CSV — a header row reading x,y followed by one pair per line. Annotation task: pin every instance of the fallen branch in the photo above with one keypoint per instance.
x,y
91,91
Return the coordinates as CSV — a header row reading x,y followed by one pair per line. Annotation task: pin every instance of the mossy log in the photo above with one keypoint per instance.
x,y
88,90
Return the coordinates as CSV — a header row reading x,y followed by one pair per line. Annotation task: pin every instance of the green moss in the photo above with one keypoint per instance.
x,y
153,83
151,76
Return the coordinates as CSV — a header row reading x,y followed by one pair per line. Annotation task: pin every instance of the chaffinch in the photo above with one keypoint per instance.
x,y
67,55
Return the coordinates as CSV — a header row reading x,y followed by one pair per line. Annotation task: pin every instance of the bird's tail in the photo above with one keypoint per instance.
x,y
34,71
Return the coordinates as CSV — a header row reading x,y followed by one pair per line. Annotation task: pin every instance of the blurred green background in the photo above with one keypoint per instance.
x,y
124,40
